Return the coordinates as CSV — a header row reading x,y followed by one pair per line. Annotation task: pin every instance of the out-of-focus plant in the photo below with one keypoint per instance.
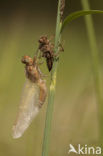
x,y
95,65
61,24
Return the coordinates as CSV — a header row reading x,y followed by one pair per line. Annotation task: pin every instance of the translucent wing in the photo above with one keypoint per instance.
x,y
28,108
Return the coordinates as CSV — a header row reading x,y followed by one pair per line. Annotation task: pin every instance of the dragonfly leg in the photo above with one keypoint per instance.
x,y
37,51
61,49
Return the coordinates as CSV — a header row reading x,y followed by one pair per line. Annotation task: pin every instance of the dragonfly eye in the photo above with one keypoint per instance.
x,y
27,60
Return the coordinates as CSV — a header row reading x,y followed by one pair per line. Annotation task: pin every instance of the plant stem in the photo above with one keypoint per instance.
x,y
95,63
48,121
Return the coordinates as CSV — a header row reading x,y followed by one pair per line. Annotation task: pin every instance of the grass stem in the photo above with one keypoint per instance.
x,y
95,63
48,121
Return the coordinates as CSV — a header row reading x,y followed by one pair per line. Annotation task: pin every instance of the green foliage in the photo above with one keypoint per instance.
x,y
78,14
96,65
59,28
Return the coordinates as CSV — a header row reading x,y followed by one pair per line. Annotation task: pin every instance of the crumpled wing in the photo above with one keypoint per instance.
x,y
28,108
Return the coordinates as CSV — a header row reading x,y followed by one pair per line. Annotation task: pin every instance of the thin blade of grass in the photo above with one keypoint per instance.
x,y
95,63
78,14
49,113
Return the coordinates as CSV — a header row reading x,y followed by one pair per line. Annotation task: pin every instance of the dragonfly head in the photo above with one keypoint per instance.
x,y
43,40
27,60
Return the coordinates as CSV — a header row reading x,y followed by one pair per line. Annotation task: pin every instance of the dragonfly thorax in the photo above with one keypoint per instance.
x,y
32,73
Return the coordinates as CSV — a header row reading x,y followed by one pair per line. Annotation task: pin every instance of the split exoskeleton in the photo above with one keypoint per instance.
x,y
47,50
33,96
34,74
35,90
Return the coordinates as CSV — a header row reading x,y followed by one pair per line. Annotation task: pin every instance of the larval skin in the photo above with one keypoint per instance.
x,y
28,109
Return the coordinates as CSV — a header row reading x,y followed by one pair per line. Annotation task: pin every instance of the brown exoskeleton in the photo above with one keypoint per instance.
x,y
47,49
35,75
33,97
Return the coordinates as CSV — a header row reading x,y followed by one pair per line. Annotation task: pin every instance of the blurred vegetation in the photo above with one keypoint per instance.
x,y
75,114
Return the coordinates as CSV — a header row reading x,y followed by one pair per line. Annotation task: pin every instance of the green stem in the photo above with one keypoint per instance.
x,y
48,121
95,63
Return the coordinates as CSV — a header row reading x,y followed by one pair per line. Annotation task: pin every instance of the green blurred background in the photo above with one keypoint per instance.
x,y
75,117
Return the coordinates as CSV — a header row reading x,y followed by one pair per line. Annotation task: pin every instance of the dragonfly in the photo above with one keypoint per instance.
x,y
46,49
33,96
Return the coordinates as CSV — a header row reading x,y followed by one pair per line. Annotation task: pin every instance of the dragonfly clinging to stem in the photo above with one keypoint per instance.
x,y
33,96
46,49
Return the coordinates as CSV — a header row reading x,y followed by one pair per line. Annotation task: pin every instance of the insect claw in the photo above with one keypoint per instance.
x,y
57,58
57,54
61,49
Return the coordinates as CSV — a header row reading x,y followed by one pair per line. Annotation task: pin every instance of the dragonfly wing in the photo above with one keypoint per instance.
x,y
28,108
